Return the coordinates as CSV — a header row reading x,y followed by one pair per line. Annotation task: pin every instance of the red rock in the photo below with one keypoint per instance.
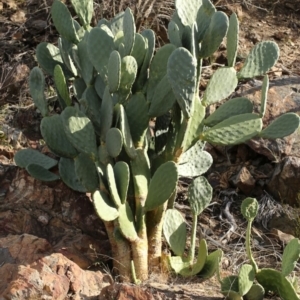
x,y
244,181
30,271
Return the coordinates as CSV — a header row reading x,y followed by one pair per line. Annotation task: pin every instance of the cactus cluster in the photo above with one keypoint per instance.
x,y
110,82
243,286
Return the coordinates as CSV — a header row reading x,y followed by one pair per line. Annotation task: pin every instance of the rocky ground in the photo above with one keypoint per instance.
x,y
52,243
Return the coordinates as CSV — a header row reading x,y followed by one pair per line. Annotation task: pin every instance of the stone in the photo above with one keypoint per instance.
x,y
285,182
30,271
244,181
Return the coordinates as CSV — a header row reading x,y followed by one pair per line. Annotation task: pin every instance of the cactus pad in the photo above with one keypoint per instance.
x,y
68,175
114,142
221,85
162,185
283,126
232,107
234,130
249,208
52,130
41,173
174,229
262,57
104,206
199,194
182,74
28,156
80,131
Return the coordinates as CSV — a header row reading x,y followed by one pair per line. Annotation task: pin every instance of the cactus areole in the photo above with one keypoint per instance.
x,y
110,83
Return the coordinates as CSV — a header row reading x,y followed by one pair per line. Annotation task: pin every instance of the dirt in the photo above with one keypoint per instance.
x,y
24,24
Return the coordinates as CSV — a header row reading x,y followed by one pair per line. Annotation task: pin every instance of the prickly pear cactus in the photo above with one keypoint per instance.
x,y
110,84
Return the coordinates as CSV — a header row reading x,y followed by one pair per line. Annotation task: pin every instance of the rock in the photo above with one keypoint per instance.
x,y
244,181
124,292
66,219
283,97
280,236
285,182
30,271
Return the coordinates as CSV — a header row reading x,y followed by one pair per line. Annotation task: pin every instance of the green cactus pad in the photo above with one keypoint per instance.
x,y
114,71
84,9
273,280
114,142
129,70
126,222
122,177
48,56
106,113
214,34
174,229
138,120
158,69
162,185
68,175
264,96
86,172
99,41
63,21
163,98
211,264
61,85
139,49
37,88
198,164
103,156
221,85
182,74
174,34
246,278
195,268
203,19
233,107
232,39
92,105
178,263
65,49
129,31
40,173
194,126
125,129
284,125
256,292
261,58
234,130
116,24
52,130
249,208
104,207
100,86
28,156
291,255
86,67
79,87
199,194
140,170
113,186
80,131
187,11
149,37
230,287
